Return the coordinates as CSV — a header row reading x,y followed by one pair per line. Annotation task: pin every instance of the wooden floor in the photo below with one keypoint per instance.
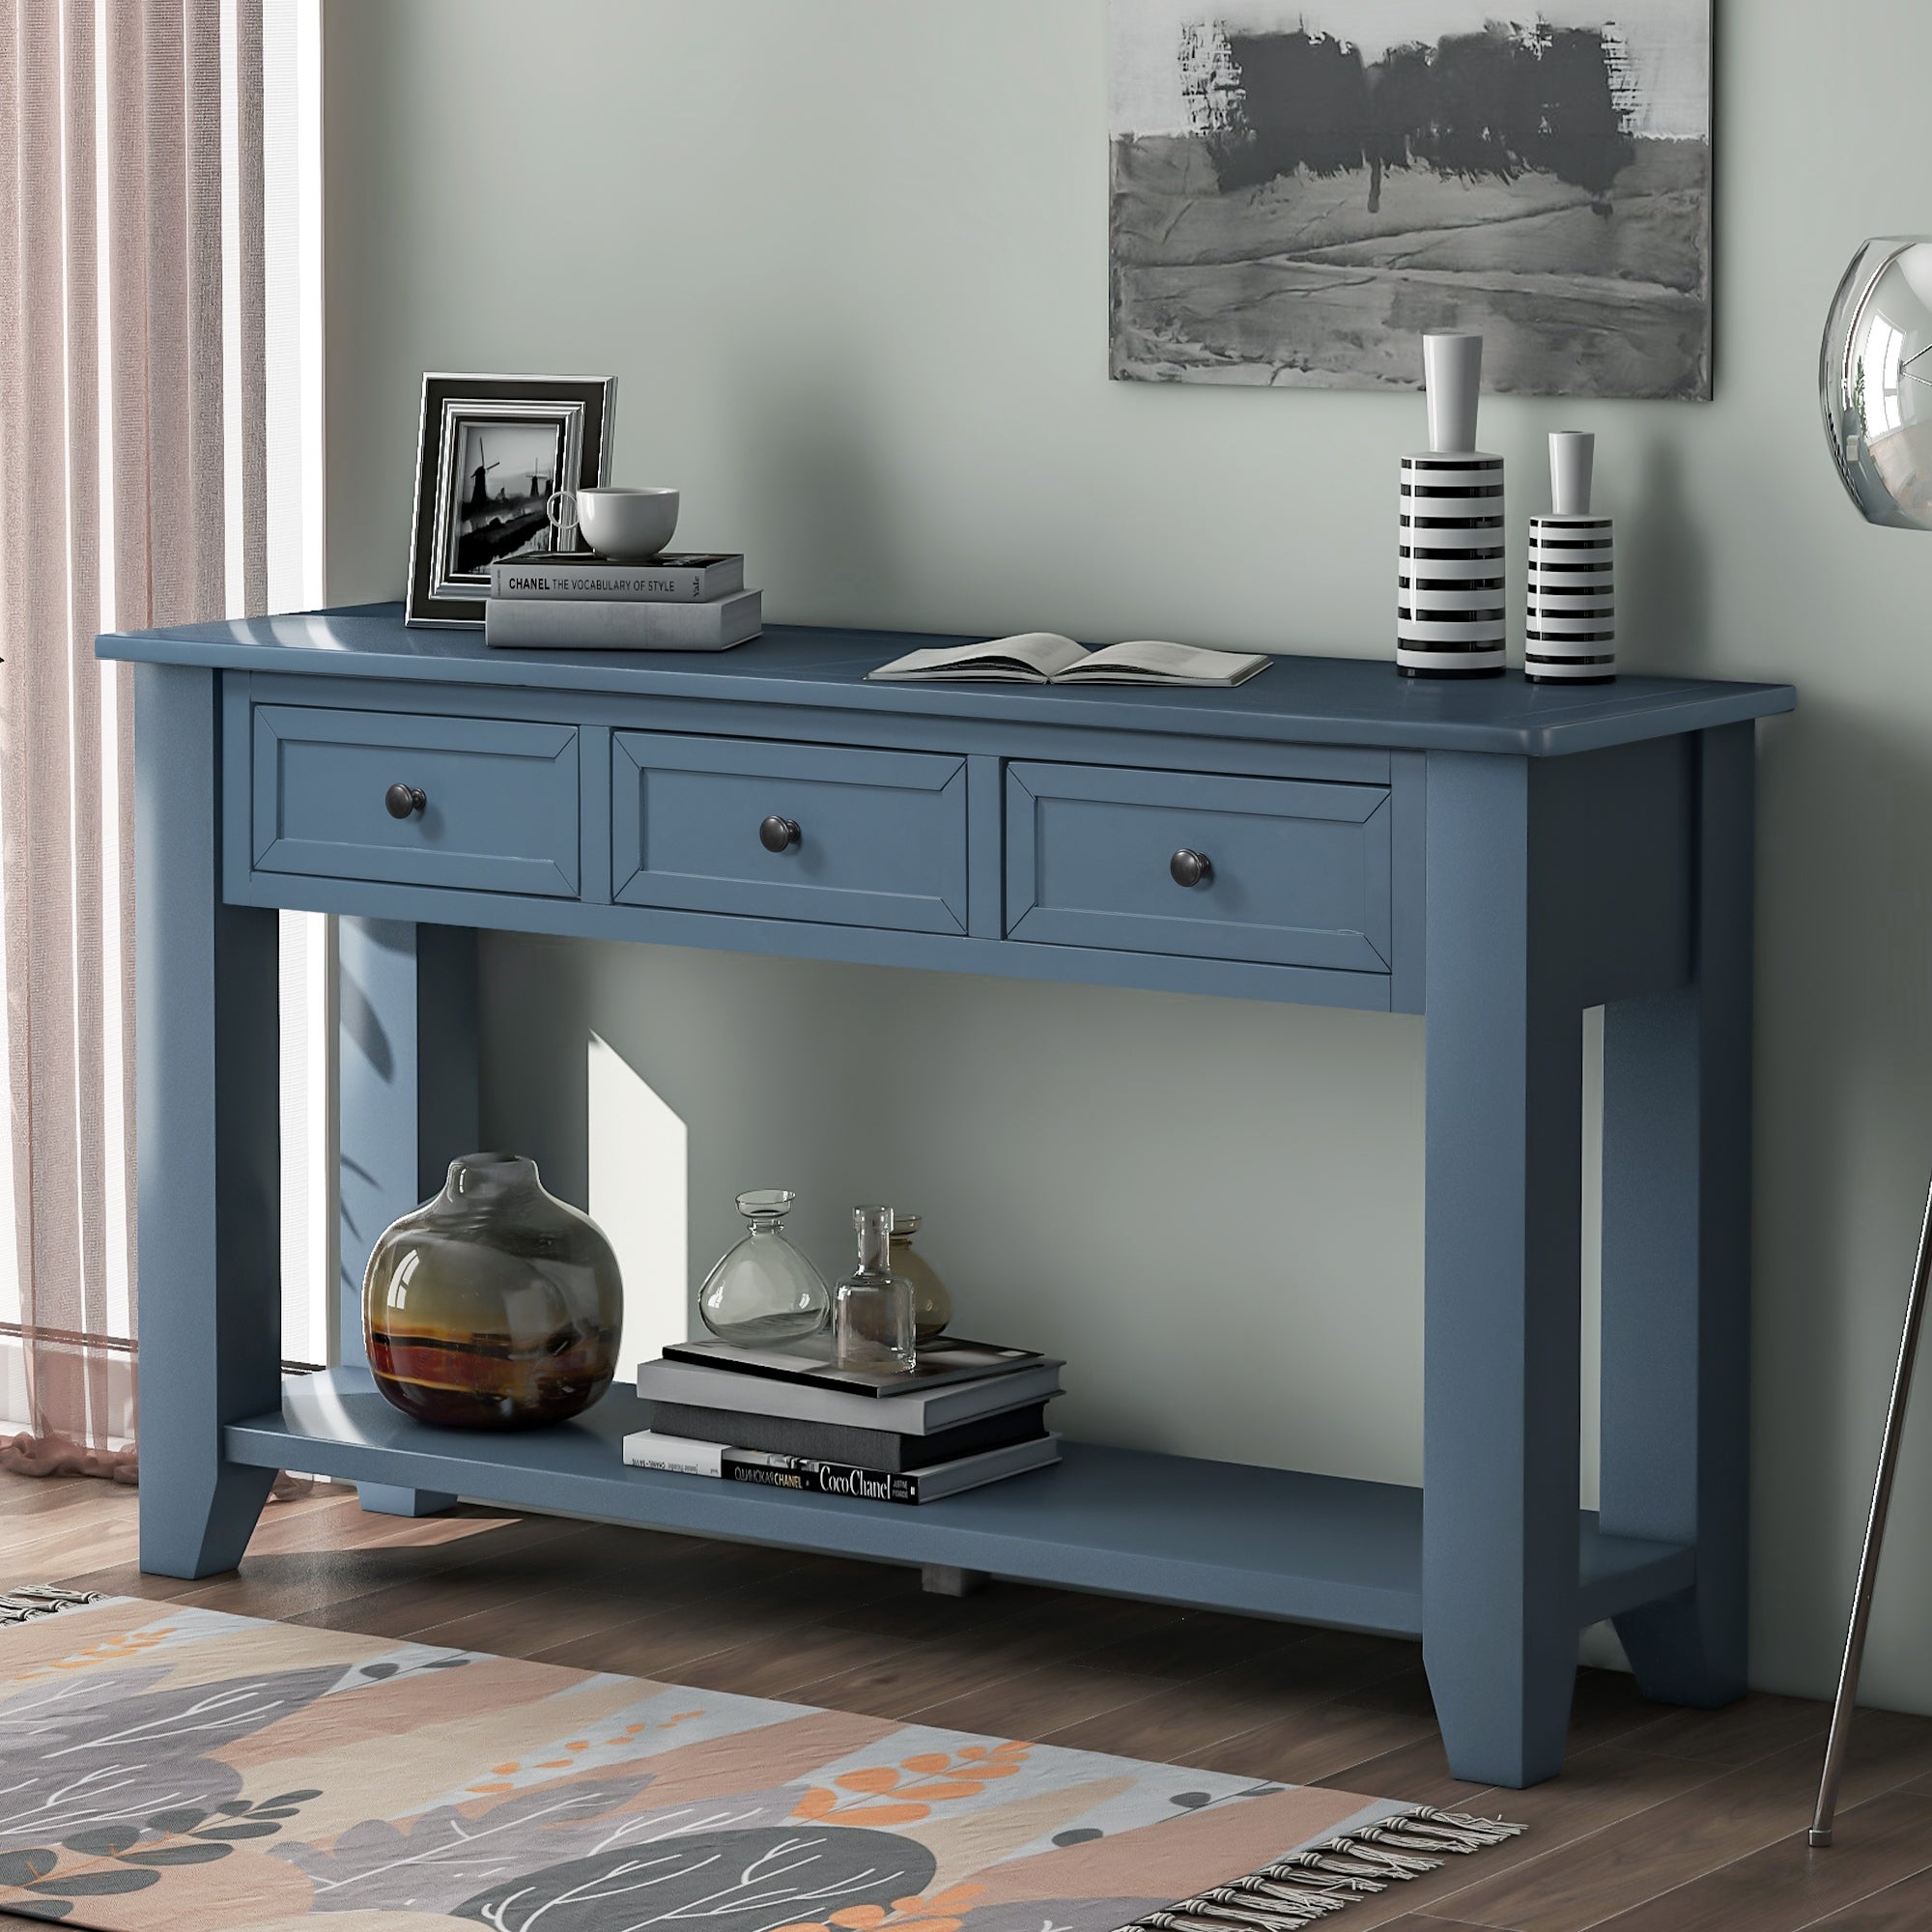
x,y
1665,1821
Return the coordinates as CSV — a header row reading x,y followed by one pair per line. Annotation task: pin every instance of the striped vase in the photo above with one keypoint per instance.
x,y
1571,637
1451,591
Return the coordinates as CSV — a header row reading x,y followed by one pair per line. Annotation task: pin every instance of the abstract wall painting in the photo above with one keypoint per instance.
x,y
1301,187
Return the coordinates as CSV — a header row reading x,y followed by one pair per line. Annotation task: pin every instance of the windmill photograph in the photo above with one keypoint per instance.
x,y
506,474
492,453
1298,190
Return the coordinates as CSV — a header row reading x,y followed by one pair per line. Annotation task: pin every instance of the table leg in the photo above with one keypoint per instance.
x,y
948,1579
407,1059
1502,1240
1676,1329
207,1136
386,1499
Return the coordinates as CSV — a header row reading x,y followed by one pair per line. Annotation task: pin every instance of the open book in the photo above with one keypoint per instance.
x,y
1044,657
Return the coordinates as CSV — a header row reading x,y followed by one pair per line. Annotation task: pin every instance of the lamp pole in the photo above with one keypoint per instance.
x,y
1881,1507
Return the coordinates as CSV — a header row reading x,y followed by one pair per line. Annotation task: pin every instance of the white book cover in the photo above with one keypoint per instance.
x,y
601,624
646,1449
1045,657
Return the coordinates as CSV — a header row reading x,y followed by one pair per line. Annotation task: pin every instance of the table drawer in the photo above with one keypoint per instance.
x,y
1299,872
881,836
499,810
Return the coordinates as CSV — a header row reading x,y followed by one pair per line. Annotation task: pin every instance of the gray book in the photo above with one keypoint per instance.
x,y
914,1413
948,1359
833,1442
680,577
604,624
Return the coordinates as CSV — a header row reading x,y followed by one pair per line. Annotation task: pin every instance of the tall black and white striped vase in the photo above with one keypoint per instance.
x,y
1452,593
1571,637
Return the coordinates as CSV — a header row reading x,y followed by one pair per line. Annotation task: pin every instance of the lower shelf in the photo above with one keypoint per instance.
x,y
1172,1529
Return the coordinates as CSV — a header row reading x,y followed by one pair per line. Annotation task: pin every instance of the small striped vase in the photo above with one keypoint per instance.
x,y
1452,599
1571,637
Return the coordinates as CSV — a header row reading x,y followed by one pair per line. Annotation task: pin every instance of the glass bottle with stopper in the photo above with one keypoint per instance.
x,y
872,1319
764,1294
931,1298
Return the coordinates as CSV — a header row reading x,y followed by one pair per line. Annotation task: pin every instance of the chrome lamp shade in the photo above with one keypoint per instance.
x,y
1875,381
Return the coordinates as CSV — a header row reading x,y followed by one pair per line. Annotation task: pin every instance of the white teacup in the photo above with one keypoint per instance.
x,y
626,525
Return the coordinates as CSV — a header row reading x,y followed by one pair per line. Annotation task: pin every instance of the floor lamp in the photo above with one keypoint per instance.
x,y
1875,382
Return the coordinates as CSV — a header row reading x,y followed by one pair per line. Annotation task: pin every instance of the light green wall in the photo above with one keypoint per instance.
x,y
848,259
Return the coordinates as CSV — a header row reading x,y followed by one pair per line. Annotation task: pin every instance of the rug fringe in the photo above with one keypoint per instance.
x,y
1296,1890
27,1600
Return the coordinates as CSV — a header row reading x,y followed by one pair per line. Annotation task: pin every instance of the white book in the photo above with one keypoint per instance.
x,y
604,624
1045,657
646,1449
913,1413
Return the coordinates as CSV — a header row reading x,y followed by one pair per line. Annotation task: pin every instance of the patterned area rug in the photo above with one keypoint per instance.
x,y
167,1769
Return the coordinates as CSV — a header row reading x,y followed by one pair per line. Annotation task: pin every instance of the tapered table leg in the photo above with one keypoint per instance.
x,y
207,1123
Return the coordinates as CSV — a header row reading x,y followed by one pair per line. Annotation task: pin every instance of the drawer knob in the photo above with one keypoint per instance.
x,y
1190,868
405,801
778,835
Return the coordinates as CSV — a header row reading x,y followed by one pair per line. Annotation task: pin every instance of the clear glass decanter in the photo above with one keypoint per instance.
x,y
931,1298
873,1324
764,1294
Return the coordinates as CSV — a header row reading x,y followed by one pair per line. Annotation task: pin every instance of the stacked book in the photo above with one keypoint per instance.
x,y
969,1415
683,601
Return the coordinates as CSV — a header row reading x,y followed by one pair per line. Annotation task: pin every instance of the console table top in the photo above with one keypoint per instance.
x,y
1296,700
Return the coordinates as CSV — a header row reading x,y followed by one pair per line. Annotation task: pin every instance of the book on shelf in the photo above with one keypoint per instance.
x,y
621,624
1045,657
647,1450
940,1363
887,1449
678,577
917,1413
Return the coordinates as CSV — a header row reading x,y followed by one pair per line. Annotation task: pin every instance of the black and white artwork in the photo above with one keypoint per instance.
x,y
506,474
1301,187
492,452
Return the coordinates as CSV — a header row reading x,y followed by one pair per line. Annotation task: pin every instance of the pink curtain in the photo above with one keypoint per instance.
x,y
120,374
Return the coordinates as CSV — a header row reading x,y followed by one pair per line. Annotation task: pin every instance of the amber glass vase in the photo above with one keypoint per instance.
x,y
931,1298
494,1305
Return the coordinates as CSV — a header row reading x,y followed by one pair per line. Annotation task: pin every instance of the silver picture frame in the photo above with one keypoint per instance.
x,y
558,432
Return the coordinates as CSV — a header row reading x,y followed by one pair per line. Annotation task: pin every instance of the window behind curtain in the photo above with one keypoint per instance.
x,y
292,172
292,142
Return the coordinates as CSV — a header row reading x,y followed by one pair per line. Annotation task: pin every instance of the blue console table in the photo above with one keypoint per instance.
x,y
1496,855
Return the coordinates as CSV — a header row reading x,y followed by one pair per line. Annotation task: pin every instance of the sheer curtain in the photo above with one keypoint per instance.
x,y
138,380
